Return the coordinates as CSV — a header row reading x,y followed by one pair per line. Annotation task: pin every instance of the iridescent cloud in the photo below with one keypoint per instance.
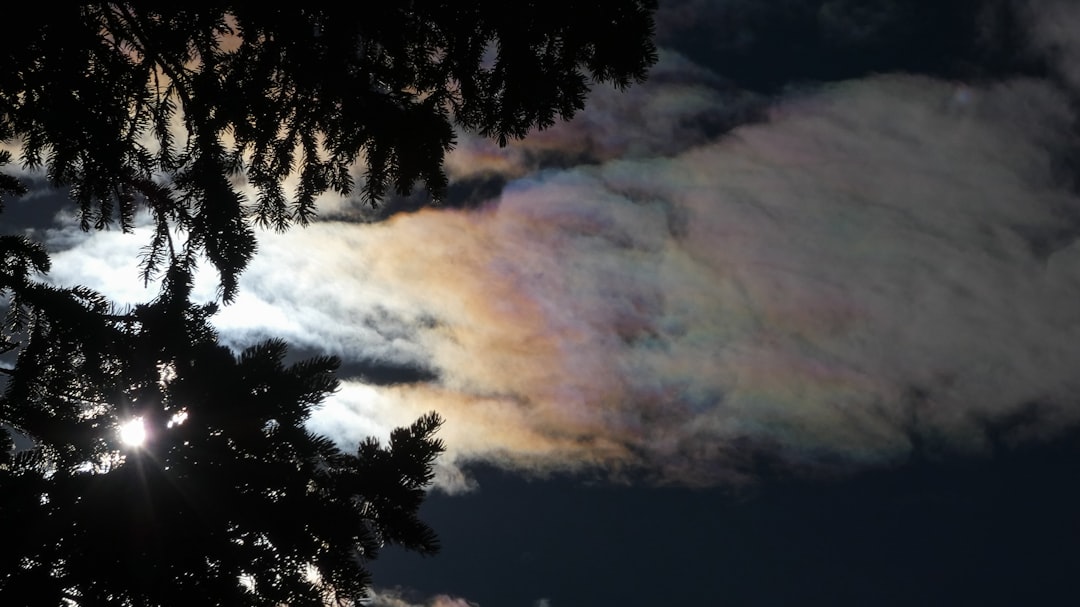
x,y
878,262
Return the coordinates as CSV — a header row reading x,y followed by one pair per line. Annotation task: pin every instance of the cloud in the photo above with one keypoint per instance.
x,y
1052,26
680,106
826,285
883,263
393,598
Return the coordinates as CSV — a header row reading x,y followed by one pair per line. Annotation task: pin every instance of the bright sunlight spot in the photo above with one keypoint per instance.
x,y
178,418
133,433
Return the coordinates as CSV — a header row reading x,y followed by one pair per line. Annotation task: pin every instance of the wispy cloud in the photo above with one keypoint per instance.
x,y
394,598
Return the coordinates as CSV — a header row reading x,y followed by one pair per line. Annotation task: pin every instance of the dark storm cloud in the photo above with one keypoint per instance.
x,y
371,371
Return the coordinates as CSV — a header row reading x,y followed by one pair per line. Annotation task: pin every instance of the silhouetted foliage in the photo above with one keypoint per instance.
x,y
231,500
171,108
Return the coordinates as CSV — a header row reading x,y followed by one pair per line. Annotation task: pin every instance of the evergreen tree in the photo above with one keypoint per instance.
x,y
168,108
229,499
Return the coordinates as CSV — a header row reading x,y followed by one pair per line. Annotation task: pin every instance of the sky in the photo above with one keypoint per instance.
x,y
793,321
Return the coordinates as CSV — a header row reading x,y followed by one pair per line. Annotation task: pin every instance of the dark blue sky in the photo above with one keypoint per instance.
x,y
999,531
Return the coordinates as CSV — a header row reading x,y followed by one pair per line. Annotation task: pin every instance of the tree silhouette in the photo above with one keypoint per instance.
x,y
174,111
230,497
168,108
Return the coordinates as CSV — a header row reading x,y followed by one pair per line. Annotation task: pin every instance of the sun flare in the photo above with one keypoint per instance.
x,y
133,432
